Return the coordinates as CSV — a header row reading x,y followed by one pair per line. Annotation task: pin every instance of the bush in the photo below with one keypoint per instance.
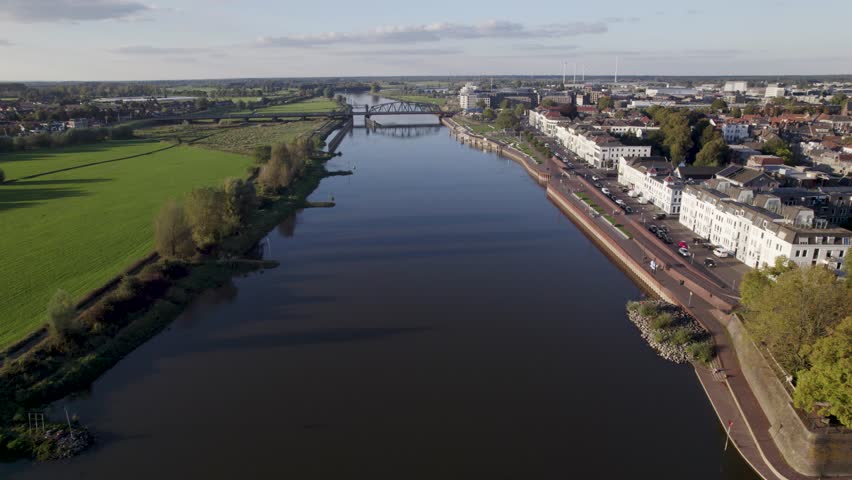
x,y
2,176
262,154
121,133
702,352
61,315
648,310
681,336
661,321
633,307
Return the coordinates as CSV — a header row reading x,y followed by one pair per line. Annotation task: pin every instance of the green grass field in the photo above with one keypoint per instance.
x,y
35,162
440,101
240,139
77,229
312,105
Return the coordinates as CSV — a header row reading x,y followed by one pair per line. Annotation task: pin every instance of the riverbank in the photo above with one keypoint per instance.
x,y
710,304
141,304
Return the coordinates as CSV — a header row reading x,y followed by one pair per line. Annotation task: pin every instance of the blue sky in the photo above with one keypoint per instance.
x,y
162,39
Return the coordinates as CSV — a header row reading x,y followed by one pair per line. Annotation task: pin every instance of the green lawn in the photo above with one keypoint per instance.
x,y
441,101
24,164
77,229
241,139
313,105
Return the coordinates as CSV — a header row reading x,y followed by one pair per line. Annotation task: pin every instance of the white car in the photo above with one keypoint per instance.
x,y
683,252
620,202
595,178
605,191
721,252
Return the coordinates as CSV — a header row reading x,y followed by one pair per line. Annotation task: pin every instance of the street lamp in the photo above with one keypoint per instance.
x,y
689,303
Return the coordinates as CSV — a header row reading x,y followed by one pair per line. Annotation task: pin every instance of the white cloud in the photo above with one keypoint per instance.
x,y
69,10
436,32
5,43
151,50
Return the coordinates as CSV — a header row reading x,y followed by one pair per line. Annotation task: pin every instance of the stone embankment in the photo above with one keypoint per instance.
x,y
60,442
660,338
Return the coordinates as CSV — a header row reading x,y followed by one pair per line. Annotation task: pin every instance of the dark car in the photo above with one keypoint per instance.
x,y
659,216
709,263
597,185
627,209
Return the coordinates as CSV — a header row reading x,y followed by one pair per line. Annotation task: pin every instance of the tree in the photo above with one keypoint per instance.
x,y
829,380
548,103
201,103
839,99
205,212
751,109
240,201
719,105
569,110
61,315
273,175
480,104
506,120
262,154
488,114
712,154
779,148
375,87
328,92
505,104
796,310
847,267
519,110
172,232
736,112
678,141
605,103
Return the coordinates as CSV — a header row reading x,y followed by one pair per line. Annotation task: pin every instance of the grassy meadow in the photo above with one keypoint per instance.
x,y
236,139
78,228
319,104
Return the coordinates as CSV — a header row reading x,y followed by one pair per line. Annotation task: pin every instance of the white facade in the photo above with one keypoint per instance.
x,y
662,190
470,100
736,86
774,91
756,236
539,119
735,132
597,148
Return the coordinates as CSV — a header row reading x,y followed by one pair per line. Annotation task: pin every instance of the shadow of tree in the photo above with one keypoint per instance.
x,y
32,193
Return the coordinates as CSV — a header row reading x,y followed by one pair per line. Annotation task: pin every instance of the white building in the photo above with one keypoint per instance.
x,y
774,91
735,132
467,101
547,120
596,146
652,178
736,86
756,235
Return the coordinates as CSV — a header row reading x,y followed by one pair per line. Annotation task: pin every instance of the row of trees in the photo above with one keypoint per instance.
x,y
74,136
802,315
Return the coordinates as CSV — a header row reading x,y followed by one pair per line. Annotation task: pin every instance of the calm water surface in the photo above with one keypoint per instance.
x,y
444,320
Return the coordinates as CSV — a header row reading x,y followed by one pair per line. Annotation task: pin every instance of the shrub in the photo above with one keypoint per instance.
x,y
262,154
702,352
2,176
121,133
61,314
681,336
172,232
648,310
633,307
662,320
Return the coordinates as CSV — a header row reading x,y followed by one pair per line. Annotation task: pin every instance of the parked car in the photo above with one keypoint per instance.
x,y
682,244
667,239
660,216
709,263
721,252
627,209
643,201
605,191
652,228
596,178
597,185
620,202
683,252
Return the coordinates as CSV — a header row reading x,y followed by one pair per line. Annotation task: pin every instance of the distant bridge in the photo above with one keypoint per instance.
x,y
392,108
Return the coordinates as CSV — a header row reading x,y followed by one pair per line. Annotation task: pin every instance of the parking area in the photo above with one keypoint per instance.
x,y
728,271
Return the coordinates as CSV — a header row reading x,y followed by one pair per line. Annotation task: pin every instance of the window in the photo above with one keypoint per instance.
x,y
816,253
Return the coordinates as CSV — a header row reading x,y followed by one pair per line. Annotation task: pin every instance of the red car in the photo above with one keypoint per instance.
x,y
682,244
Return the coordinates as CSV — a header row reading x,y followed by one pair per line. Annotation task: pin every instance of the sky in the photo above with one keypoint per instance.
x,y
54,40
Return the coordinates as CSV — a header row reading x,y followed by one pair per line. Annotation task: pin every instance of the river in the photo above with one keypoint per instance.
x,y
444,320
